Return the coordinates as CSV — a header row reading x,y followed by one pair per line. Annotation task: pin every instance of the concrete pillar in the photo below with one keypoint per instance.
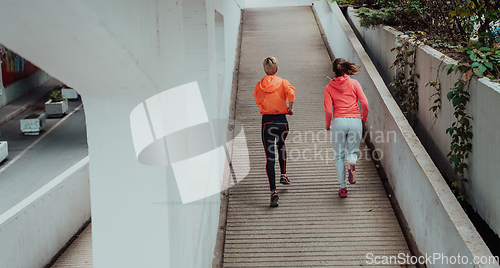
x,y
220,55
117,54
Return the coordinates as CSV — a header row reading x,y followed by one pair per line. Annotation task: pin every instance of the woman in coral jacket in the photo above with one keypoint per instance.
x,y
342,94
270,95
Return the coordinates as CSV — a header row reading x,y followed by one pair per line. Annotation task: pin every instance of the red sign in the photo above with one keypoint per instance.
x,y
14,67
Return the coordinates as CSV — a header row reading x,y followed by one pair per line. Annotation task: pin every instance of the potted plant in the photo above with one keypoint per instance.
x,y
32,124
4,150
56,105
69,93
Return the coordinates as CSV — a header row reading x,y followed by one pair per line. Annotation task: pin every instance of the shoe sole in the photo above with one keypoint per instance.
x,y
284,182
352,174
274,201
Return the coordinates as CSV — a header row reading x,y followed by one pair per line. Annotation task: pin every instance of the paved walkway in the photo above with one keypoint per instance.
x,y
313,226
79,254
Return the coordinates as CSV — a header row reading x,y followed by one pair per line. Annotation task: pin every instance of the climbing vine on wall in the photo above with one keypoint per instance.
x,y
460,130
405,87
436,96
465,30
405,91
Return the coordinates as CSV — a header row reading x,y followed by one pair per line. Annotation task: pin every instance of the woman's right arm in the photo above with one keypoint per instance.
x,y
290,95
255,95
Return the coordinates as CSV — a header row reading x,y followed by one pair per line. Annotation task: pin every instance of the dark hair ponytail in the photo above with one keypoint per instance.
x,y
342,67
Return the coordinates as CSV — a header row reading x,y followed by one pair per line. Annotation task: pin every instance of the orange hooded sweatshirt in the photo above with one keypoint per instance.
x,y
343,93
271,94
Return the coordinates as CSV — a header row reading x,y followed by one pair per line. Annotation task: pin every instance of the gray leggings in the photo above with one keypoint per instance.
x,y
345,131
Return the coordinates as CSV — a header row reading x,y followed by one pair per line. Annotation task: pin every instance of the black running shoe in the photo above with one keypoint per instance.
x,y
274,199
284,179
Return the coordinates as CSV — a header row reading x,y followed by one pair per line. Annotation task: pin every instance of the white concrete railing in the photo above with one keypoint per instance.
x,y
483,108
33,231
435,218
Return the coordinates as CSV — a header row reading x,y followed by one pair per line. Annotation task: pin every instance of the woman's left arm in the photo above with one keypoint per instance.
x,y
290,95
363,100
328,105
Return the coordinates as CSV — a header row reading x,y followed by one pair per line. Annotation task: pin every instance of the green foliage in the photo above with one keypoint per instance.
x,y
373,17
56,96
354,2
344,2
405,81
480,13
436,104
460,130
411,12
468,28
406,93
455,22
483,61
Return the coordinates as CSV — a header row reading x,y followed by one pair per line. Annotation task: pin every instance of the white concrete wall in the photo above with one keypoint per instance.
x,y
483,108
231,14
435,218
21,87
34,230
132,50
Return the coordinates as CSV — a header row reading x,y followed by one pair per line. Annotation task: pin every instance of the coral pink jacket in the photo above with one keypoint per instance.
x,y
342,94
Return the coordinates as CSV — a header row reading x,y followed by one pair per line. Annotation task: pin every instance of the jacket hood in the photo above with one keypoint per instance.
x,y
340,83
270,83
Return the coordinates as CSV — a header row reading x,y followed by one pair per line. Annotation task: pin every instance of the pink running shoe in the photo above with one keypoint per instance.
x,y
352,173
343,193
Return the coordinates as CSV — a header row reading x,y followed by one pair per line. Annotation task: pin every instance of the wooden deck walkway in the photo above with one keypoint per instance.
x,y
79,254
313,226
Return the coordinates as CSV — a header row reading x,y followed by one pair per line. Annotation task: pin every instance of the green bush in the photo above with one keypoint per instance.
x,y
373,17
344,2
56,96
356,2
455,22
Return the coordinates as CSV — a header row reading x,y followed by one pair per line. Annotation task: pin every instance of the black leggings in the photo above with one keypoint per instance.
x,y
274,127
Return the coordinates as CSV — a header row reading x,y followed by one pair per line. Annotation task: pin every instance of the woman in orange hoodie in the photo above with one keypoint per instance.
x,y
270,95
342,94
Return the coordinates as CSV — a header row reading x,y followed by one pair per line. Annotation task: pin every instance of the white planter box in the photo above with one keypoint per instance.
x,y
69,93
32,124
56,108
4,150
